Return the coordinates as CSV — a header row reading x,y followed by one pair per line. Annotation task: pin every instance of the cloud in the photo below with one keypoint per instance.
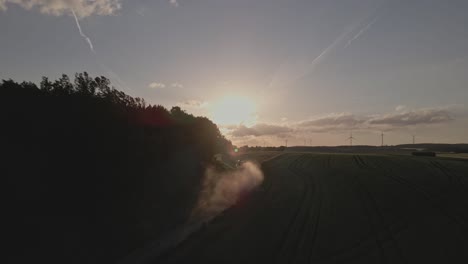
x,y
334,121
156,85
259,130
411,118
174,3
340,122
398,119
163,85
81,8
193,104
400,108
177,85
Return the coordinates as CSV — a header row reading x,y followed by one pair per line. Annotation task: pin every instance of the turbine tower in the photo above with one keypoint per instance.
x,y
414,139
382,135
351,139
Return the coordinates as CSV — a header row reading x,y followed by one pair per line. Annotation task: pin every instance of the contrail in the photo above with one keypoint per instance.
x,y
116,79
285,75
332,46
362,31
81,32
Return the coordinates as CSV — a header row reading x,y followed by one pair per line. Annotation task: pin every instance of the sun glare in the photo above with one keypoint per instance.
x,y
234,110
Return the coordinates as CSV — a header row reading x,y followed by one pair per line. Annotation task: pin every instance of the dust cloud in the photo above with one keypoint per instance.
x,y
221,190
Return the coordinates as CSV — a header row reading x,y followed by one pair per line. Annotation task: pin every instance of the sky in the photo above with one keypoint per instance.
x,y
266,71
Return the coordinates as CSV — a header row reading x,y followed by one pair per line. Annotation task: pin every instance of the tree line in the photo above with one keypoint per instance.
x,y
92,173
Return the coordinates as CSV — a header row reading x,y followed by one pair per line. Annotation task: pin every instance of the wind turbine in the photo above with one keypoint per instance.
x,y
351,139
382,135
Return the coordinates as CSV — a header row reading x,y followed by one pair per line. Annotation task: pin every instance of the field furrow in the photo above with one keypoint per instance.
x,y
340,208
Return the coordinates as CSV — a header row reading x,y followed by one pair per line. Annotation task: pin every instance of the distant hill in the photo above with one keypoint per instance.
x,y
455,148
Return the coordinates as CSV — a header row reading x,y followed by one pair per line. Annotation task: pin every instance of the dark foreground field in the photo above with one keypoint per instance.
x,y
343,208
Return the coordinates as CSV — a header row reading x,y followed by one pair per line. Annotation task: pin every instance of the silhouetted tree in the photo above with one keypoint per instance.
x,y
112,170
46,85
62,86
84,84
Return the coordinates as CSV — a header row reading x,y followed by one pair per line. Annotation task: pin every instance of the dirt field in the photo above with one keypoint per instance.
x,y
342,208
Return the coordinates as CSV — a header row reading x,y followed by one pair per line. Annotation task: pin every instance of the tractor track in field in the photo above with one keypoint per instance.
x,y
454,178
360,244
304,225
366,198
444,171
376,222
302,231
327,163
431,199
308,204
360,162
371,207
267,190
455,181
315,214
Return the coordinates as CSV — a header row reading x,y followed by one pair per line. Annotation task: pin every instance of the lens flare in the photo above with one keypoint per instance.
x,y
234,110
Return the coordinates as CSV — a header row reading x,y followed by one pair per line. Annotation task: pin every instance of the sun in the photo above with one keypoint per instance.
x,y
234,110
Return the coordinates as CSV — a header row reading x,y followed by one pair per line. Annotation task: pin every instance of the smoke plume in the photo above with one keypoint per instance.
x,y
221,190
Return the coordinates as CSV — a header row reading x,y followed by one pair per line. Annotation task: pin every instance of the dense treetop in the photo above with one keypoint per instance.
x,y
97,93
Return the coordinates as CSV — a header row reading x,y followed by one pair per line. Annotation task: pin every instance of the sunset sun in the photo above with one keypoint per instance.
x,y
234,110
